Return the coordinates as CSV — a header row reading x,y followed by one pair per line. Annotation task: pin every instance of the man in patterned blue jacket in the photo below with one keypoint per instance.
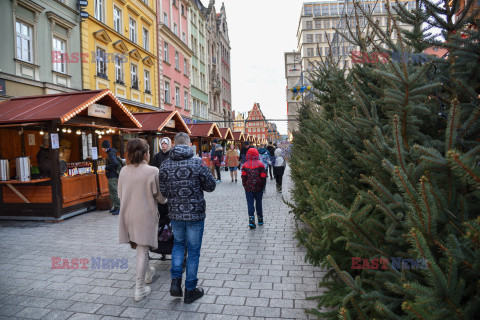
x,y
183,180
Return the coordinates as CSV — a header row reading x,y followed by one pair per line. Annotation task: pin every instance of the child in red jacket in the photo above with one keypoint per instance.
x,y
254,178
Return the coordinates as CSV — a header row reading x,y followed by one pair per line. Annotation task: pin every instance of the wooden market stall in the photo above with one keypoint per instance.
x,y
156,125
227,135
64,131
239,139
202,135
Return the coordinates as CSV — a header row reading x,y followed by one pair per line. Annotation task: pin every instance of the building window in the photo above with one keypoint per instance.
x,y
165,52
134,76
184,37
146,40
167,92
175,29
325,11
101,63
185,99
318,24
177,96
165,19
308,10
99,11
308,25
145,1
316,10
147,81
318,37
309,38
183,10
117,19
118,69
310,52
177,61
133,30
24,42
59,46
185,67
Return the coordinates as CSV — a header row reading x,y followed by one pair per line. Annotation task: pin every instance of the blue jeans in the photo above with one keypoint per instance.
x,y
254,200
188,233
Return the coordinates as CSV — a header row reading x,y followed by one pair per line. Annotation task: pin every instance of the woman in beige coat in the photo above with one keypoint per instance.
x,y
138,222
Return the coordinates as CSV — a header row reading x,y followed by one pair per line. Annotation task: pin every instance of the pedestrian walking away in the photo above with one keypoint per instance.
x,y
112,170
217,156
232,162
183,180
140,194
279,168
254,178
243,152
271,149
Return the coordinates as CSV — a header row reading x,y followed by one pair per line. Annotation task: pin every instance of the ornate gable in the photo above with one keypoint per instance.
x,y
102,36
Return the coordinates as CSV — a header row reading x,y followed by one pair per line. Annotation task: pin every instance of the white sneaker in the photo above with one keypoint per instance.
x,y
141,290
149,274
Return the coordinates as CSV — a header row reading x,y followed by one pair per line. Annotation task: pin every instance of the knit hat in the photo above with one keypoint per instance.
x,y
105,144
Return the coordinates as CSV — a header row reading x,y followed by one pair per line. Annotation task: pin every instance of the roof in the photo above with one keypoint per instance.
x,y
238,136
206,130
226,133
63,107
156,121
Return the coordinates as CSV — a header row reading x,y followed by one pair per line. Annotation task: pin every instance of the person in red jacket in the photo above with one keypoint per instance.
x,y
254,178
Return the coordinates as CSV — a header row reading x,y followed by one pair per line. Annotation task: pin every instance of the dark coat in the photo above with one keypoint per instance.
x,y
243,154
111,164
271,149
254,175
183,180
159,158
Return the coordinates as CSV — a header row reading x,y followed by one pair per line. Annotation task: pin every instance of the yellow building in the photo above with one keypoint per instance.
x,y
119,51
239,124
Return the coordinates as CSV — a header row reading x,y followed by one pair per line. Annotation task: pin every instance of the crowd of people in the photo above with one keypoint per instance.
x,y
170,189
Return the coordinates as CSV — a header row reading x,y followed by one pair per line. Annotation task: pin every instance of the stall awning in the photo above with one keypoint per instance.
x,y
238,136
161,121
205,130
63,107
226,133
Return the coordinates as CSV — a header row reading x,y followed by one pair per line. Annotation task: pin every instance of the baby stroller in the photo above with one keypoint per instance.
x,y
165,237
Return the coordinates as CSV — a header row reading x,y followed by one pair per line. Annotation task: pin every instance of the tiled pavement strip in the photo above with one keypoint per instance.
x,y
247,274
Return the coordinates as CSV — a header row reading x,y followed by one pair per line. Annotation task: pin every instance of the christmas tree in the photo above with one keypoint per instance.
x,y
386,171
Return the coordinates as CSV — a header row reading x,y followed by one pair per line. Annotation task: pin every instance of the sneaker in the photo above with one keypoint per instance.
x,y
260,221
116,212
251,223
193,295
235,180
111,210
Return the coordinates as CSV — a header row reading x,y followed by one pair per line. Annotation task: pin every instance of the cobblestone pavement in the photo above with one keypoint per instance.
x,y
246,274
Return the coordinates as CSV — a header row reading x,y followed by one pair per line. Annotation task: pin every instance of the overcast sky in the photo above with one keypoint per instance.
x,y
260,32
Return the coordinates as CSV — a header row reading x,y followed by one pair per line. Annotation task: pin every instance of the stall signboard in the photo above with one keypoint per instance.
x,y
100,111
94,153
55,141
170,124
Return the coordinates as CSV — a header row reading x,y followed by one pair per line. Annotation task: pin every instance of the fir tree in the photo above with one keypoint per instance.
x,y
386,166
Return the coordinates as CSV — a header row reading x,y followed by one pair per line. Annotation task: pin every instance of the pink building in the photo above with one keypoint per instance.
x,y
174,56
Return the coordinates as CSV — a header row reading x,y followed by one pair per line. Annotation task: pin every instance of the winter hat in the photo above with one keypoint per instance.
x,y
252,154
168,141
105,144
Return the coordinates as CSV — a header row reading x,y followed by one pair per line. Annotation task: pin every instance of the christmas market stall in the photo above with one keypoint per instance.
x,y
202,135
239,139
156,125
50,147
227,136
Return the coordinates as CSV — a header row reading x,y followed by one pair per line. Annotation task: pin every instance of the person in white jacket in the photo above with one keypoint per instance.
x,y
279,168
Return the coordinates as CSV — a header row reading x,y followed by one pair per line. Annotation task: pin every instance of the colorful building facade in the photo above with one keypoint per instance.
x,y
120,44
176,55
256,124
40,48
199,75
239,123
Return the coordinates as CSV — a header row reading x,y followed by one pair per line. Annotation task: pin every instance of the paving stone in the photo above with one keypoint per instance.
x,y
246,274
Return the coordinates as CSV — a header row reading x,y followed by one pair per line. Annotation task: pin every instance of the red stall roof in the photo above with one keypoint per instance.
x,y
159,120
63,107
238,136
226,133
206,130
